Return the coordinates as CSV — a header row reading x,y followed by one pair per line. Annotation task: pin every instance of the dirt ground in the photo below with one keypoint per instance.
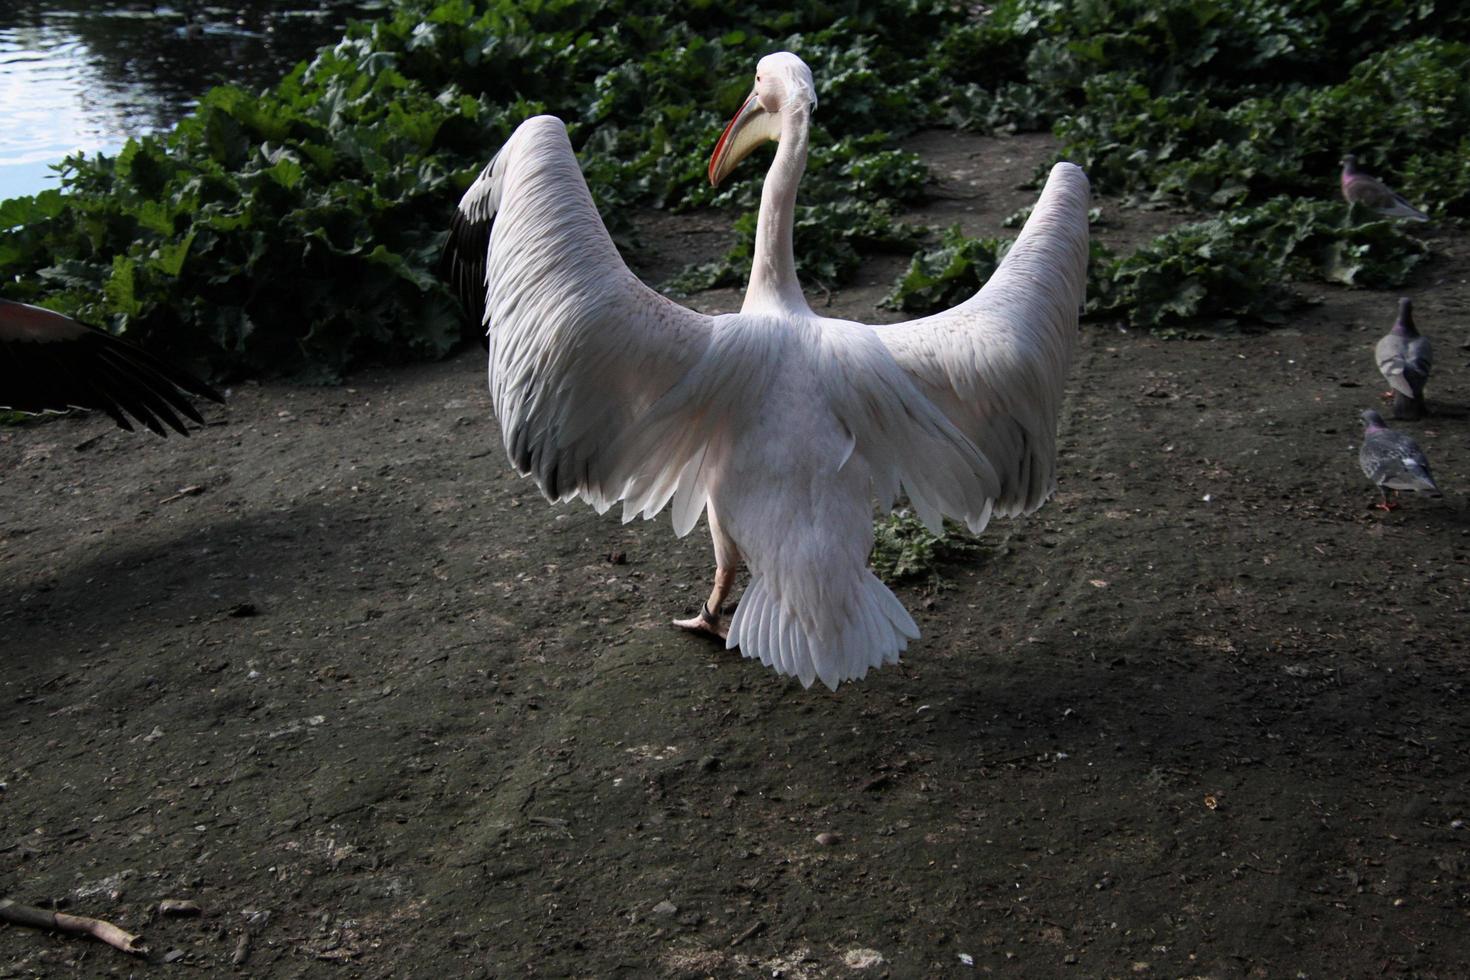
x,y
330,670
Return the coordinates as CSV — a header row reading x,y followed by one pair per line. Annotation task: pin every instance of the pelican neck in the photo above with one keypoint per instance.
x,y
773,283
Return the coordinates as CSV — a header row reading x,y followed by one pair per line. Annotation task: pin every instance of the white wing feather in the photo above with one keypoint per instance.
x,y
997,363
907,442
579,348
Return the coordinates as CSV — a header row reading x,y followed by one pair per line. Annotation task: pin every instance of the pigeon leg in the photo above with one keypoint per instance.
x,y
1386,504
711,618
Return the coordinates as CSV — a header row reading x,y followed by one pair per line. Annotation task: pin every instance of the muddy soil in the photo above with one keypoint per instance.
x,y
330,670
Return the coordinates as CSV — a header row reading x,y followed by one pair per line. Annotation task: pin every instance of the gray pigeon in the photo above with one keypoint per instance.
x,y
1404,358
1367,190
1393,461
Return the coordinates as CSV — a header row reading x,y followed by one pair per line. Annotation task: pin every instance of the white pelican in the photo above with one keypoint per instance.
x,y
50,362
786,424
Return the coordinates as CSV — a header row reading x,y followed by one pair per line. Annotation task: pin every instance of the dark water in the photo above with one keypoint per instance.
x,y
87,74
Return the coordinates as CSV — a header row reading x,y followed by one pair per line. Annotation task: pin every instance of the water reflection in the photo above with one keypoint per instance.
x,y
86,75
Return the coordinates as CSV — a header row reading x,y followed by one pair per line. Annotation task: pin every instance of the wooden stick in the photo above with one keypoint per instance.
x,y
29,915
757,927
179,906
242,949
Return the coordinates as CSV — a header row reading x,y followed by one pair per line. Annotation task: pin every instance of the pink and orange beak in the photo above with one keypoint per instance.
x,y
751,126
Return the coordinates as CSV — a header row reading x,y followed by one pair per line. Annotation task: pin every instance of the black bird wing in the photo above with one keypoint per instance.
x,y
50,362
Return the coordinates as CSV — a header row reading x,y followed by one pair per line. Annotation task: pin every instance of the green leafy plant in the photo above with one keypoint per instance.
x,y
1235,267
276,234
1221,151
1239,266
904,550
828,241
947,274
295,231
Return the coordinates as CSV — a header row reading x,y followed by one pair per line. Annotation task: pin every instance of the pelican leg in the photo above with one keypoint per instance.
x,y
711,618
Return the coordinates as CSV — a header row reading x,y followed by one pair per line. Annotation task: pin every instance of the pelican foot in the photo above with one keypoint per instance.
x,y
712,624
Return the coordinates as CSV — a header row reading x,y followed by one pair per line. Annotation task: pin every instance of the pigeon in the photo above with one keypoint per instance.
x,y
1367,190
1404,358
1393,461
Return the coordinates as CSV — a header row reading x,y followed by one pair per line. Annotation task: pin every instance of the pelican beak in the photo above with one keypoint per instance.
x,y
751,127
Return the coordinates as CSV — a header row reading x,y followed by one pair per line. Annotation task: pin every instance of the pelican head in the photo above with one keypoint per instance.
x,y
783,83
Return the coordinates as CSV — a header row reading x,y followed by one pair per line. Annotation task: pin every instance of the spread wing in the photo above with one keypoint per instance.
x,y
579,348
49,363
996,364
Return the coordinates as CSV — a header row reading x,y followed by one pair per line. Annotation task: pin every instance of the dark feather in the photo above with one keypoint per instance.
x,y
462,263
49,363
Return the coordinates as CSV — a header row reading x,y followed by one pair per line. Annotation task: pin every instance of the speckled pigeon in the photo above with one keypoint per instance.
x,y
1361,188
1404,358
1393,461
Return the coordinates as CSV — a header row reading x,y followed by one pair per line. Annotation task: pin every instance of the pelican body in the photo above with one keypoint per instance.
x,y
785,425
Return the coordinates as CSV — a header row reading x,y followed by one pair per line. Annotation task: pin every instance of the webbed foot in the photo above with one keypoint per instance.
x,y
708,622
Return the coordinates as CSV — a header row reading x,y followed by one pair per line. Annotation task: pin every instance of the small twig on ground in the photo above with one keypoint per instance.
x,y
179,906
551,823
255,921
189,491
1264,871
242,949
1011,761
29,915
757,927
